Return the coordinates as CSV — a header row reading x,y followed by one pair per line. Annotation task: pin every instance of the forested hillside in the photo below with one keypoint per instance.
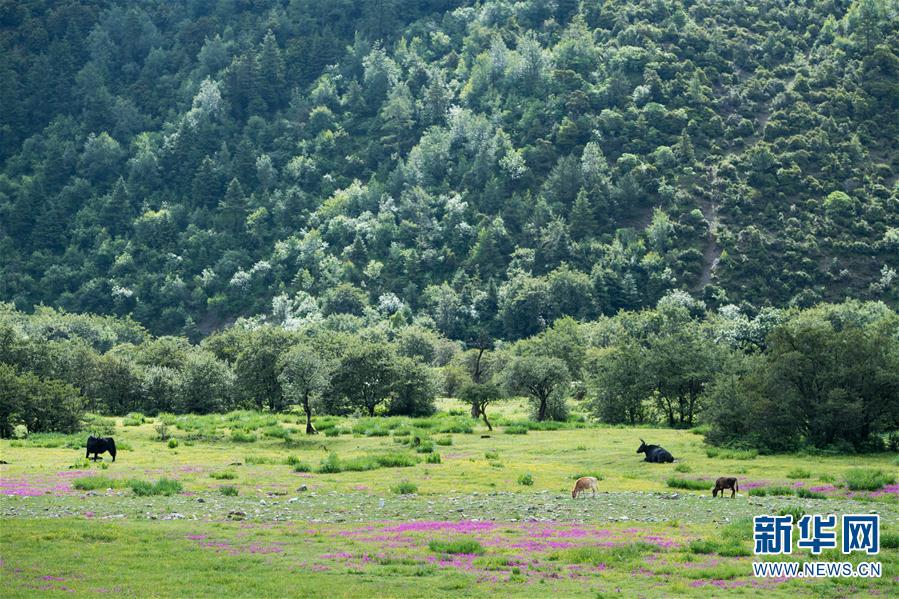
x,y
479,168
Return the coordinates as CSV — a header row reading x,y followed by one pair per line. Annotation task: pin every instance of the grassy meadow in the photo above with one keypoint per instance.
x,y
247,504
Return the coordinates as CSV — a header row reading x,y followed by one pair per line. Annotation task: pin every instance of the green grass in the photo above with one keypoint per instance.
x,y
433,458
305,514
223,475
596,475
516,430
687,483
526,480
859,479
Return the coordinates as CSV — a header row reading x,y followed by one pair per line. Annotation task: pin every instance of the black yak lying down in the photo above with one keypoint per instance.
x,y
98,445
654,453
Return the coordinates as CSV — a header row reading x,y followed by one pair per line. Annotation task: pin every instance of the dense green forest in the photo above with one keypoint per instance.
x,y
474,168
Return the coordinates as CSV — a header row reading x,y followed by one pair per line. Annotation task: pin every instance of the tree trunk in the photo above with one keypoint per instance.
x,y
371,411
310,430
475,411
541,413
484,414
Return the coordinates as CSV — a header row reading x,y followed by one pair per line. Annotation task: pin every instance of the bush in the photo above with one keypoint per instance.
x,y
492,455
276,431
332,432
405,488
133,419
425,447
223,475
774,490
799,473
516,430
302,467
806,494
239,436
466,546
228,491
20,431
162,431
687,483
858,479
173,443
444,441
433,458
683,468
526,480
164,486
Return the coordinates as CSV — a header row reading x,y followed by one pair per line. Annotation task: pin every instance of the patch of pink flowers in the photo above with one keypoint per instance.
x,y
465,526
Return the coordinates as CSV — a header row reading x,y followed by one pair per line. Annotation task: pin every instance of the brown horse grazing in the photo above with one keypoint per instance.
x,y
584,483
725,483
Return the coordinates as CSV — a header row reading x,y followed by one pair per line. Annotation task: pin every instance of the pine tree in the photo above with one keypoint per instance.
x,y
232,210
582,225
271,72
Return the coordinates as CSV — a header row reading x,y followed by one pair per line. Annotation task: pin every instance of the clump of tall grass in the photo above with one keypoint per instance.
x,y
688,483
163,486
731,454
861,479
334,463
462,545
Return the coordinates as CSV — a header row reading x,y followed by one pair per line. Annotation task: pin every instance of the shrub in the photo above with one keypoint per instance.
x,y
703,547
228,491
332,432
164,486
396,460
859,479
20,431
162,431
799,473
330,465
806,494
404,488
516,430
133,419
526,480
444,441
425,447
92,483
223,475
276,431
491,455
239,436
302,467
683,468
774,490
466,546
687,483
173,443
433,458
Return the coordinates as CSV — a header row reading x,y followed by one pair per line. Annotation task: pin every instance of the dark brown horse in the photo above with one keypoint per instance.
x,y
725,483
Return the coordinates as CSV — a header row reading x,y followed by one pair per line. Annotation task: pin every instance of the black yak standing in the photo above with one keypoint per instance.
x,y
654,453
98,445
